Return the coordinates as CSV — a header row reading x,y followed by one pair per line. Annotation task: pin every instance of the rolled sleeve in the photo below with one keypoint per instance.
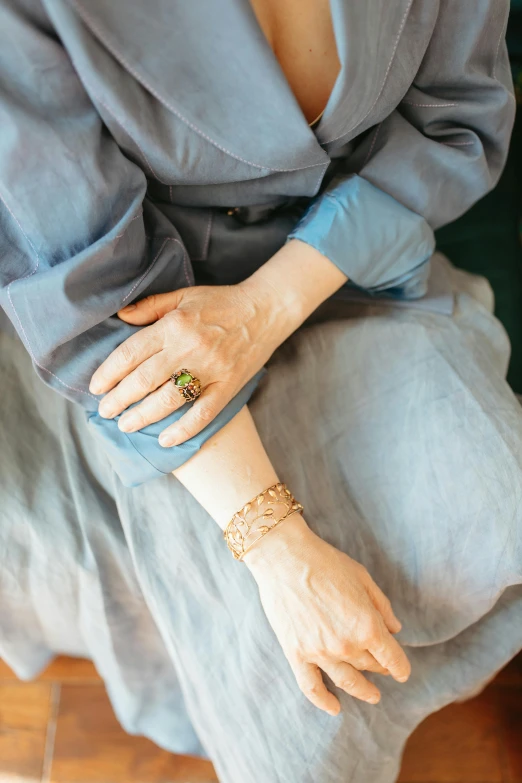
x,y
79,240
375,240
439,151
137,457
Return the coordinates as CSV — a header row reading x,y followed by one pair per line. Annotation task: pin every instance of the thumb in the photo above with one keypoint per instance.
x,y
150,309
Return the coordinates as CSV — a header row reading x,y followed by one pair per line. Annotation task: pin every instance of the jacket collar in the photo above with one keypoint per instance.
x,y
210,64
367,35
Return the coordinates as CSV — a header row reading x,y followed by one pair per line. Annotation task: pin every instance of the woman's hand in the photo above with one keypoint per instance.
x,y
327,613
221,334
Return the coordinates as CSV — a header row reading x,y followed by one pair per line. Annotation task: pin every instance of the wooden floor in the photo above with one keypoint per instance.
x,y
61,729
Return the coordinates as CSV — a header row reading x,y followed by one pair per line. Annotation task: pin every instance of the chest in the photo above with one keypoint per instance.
x,y
301,35
207,98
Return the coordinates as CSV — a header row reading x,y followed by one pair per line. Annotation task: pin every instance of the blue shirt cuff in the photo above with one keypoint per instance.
x,y
137,457
375,240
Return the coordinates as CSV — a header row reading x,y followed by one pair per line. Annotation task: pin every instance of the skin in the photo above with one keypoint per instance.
x,y
325,609
301,35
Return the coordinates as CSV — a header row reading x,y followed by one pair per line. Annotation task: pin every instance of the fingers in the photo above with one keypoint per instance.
x,y
310,681
388,652
213,399
124,359
140,382
162,402
383,605
366,662
150,309
346,677
379,642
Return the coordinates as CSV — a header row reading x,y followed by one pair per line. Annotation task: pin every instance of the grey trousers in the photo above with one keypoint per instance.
x,y
410,461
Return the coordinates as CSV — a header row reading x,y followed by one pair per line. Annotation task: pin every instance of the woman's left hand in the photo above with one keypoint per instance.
x,y
222,334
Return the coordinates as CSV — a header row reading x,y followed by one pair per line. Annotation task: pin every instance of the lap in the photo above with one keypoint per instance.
x,y
396,430
394,427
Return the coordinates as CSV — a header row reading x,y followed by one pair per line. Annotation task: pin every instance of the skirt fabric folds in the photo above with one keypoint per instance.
x,y
396,430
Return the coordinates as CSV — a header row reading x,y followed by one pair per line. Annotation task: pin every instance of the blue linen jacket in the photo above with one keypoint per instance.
x,y
127,126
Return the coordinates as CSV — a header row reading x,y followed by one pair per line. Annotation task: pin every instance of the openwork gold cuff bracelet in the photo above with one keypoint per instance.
x,y
258,517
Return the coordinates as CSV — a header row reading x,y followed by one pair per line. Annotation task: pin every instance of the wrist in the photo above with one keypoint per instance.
x,y
280,543
278,302
294,282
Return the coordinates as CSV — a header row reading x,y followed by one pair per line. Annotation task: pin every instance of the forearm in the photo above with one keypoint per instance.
x,y
230,469
315,597
297,573
233,466
297,279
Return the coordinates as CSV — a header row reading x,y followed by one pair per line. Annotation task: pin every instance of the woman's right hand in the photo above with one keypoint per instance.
x,y
327,613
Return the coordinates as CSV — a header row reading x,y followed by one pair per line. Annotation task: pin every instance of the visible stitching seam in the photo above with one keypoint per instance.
x,y
458,143
144,275
394,52
140,213
125,127
429,105
320,178
378,128
140,78
497,52
121,122
22,329
496,55
207,235
26,277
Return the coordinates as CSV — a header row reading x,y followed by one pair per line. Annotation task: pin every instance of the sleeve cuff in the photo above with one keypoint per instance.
x,y
375,240
137,457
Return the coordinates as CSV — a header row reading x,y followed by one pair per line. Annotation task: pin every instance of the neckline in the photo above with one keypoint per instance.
x,y
313,126
234,93
315,122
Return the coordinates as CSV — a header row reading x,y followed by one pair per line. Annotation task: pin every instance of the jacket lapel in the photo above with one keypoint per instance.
x,y
210,64
368,35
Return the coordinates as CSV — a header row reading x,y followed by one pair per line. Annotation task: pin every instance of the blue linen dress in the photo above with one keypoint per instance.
x,y
128,133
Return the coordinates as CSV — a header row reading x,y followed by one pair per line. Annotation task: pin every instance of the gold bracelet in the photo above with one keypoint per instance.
x,y
269,508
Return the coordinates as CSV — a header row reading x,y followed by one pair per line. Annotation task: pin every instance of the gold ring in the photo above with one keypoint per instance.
x,y
188,385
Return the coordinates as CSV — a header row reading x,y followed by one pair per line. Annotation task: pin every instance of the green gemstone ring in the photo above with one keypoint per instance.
x,y
188,385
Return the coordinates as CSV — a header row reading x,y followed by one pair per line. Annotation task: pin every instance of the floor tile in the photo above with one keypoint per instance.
x,y
70,670
24,713
5,672
459,744
91,747
476,742
62,669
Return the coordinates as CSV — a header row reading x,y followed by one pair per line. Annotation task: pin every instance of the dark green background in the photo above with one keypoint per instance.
x,y
487,239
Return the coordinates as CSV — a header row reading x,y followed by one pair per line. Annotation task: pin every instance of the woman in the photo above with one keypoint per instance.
x,y
217,247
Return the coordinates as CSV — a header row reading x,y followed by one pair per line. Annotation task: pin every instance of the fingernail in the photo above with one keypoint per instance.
x,y
332,712
128,308
373,699
402,679
167,440
95,387
107,411
128,423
